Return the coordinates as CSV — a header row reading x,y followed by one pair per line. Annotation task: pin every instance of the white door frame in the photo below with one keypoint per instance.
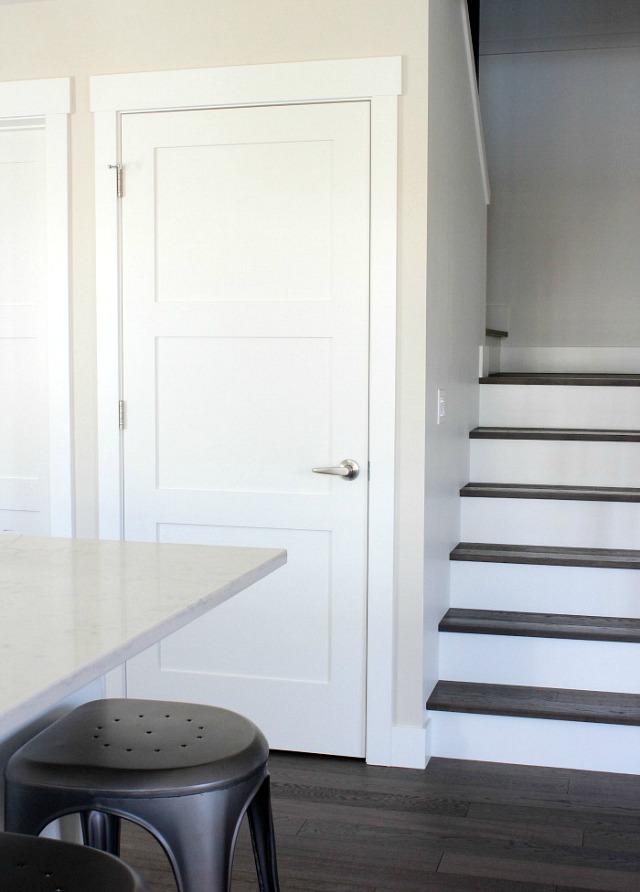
x,y
378,81
46,104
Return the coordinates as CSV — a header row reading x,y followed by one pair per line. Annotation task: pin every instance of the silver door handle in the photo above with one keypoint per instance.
x,y
347,469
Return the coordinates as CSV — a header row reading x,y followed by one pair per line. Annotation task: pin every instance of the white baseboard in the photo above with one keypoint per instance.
x,y
410,746
617,360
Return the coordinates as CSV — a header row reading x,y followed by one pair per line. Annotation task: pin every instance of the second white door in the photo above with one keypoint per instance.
x,y
245,270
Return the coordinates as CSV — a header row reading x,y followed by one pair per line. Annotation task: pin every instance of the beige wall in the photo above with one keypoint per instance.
x,y
80,38
455,309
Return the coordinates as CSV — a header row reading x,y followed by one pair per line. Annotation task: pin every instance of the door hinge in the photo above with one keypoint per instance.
x,y
121,416
118,170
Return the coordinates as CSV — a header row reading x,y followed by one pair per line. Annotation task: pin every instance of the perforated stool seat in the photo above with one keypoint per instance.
x,y
185,772
30,864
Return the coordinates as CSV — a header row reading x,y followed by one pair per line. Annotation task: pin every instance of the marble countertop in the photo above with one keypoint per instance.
x,y
73,609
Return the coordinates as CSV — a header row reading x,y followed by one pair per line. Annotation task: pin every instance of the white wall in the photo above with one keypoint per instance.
x,y
562,123
455,310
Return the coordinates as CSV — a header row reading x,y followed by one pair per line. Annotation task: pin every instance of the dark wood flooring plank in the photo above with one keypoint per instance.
x,y
499,772
530,851
442,882
565,813
613,840
418,830
468,779
407,797
371,799
572,876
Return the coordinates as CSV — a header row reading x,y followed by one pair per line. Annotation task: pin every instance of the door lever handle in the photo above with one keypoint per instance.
x,y
347,469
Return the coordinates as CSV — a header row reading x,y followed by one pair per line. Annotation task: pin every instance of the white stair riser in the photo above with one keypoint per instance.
x,y
541,662
583,745
534,405
538,588
611,360
554,522
555,462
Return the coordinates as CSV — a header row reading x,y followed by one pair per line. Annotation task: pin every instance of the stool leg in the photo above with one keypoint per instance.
x,y
101,830
29,812
263,838
198,832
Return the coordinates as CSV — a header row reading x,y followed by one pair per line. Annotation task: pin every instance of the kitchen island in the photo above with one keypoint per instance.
x,y
71,610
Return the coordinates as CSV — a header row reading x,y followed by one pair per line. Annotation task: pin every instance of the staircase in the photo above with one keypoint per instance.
x,y
540,651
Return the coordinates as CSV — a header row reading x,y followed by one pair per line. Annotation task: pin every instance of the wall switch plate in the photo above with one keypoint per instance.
x,y
442,406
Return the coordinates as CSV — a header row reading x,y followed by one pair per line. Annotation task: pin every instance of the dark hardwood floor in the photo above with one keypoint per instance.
x,y
455,827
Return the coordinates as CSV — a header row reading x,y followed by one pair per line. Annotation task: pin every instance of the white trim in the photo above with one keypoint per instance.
x,y
29,99
475,102
380,82
411,746
59,327
48,104
382,370
108,326
251,84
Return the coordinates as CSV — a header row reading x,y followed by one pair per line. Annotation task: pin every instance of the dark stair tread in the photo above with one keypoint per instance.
x,y
541,625
545,703
553,433
589,379
612,558
535,491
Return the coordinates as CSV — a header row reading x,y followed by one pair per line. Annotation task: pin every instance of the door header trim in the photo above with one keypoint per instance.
x,y
338,80
34,98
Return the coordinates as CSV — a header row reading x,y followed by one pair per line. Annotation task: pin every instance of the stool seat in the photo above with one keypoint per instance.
x,y
142,748
186,772
31,864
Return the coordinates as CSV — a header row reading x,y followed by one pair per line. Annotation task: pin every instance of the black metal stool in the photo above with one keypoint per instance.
x,y
29,864
185,772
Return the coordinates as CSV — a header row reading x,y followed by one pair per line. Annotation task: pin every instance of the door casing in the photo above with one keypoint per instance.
x,y
377,81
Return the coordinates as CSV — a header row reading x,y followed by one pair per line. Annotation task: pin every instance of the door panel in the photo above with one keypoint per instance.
x,y
245,365
260,369
230,207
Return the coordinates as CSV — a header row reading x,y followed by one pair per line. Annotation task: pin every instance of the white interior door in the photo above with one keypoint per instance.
x,y
24,440
245,265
